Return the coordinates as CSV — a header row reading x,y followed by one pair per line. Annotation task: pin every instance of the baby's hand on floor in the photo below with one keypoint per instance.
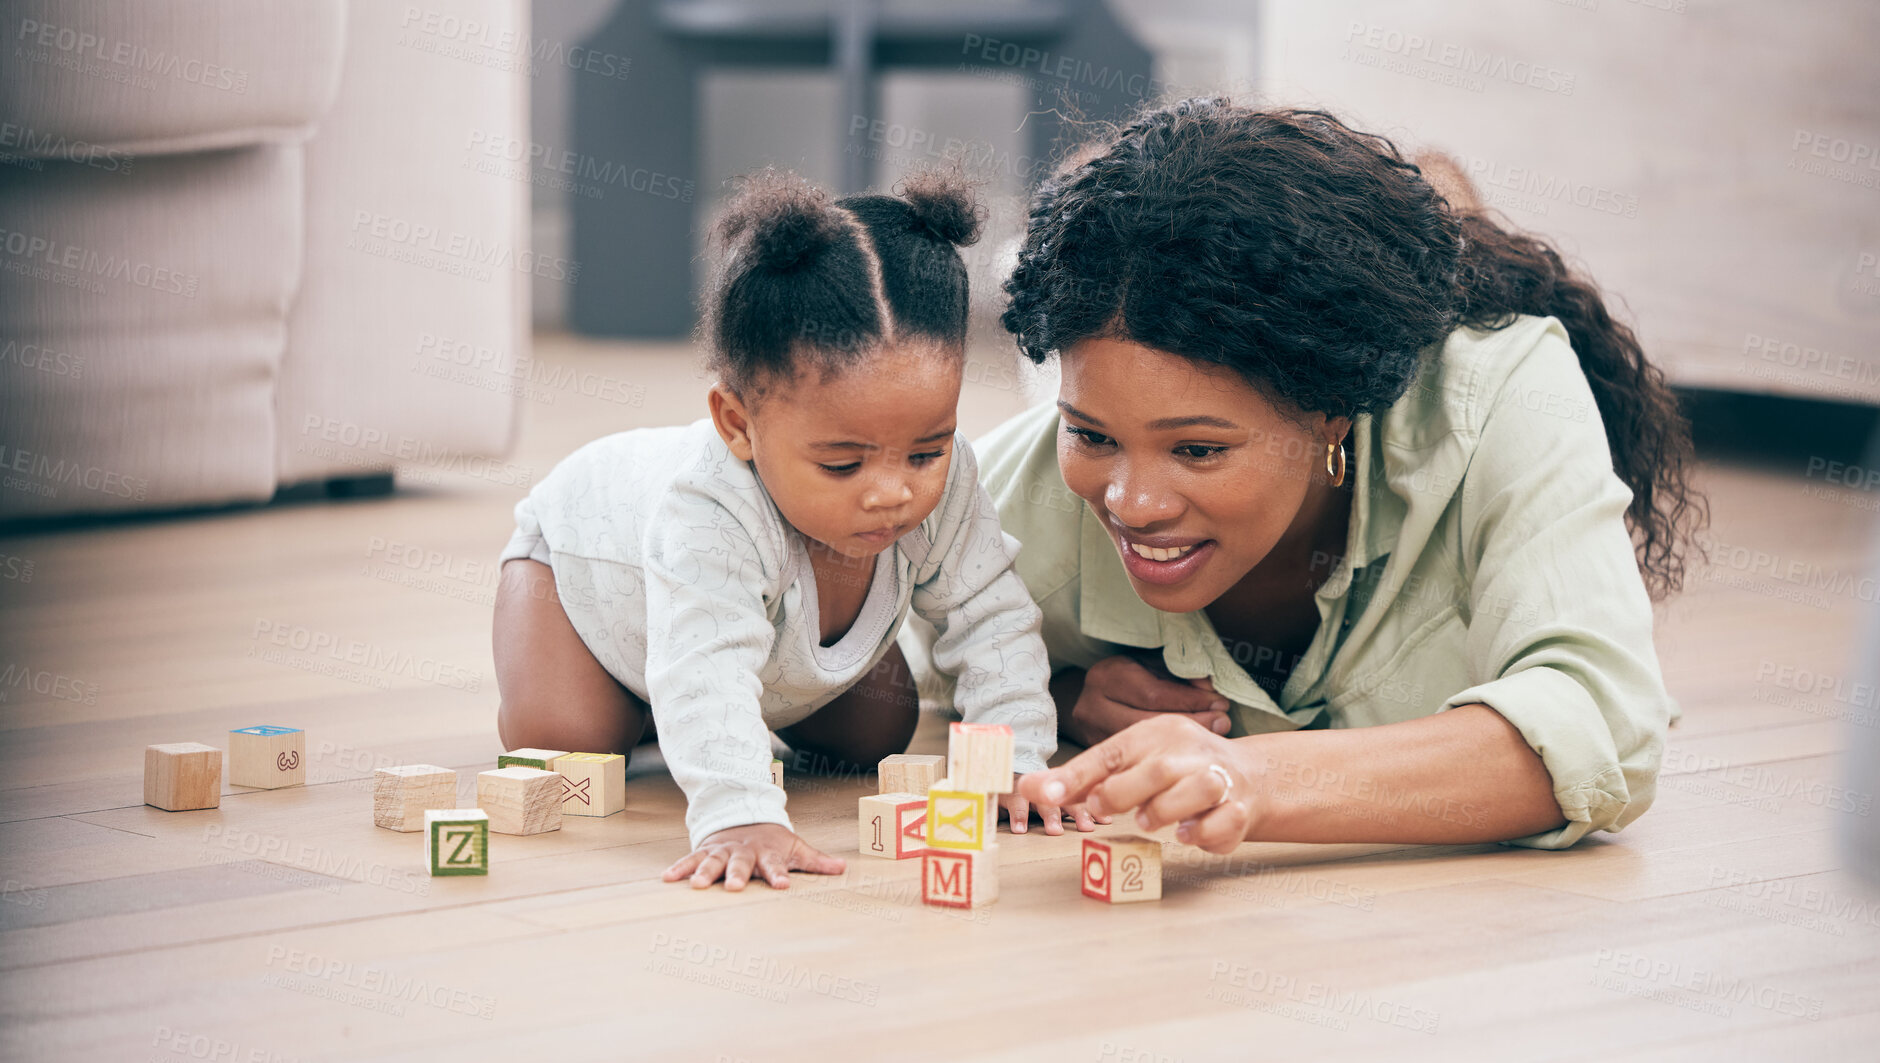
x,y
1018,811
769,849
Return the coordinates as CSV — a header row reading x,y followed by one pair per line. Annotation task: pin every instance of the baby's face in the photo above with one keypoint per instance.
x,y
855,461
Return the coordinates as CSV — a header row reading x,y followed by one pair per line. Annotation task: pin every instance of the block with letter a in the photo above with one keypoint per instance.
x,y
957,819
1123,868
892,825
966,878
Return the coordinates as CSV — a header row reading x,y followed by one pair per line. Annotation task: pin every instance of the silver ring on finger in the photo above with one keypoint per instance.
x,y
1227,784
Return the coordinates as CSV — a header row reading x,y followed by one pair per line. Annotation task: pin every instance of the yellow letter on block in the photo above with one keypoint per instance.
x,y
956,819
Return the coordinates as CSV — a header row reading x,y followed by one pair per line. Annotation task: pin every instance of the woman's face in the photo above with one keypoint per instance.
x,y
1193,472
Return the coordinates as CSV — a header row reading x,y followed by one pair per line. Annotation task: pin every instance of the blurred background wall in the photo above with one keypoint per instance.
x,y
1716,163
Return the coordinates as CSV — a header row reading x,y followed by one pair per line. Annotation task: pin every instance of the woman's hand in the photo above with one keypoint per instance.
x,y
1121,691
1018,808
1169,768
772,850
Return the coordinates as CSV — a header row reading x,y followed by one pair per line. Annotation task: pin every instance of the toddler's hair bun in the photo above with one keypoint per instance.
x,y
942,203
786,222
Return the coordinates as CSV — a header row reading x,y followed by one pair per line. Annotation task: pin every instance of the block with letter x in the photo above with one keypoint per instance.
x,y
957,819
592,784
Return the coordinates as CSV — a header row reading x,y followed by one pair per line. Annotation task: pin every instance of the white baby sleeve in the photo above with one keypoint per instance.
x,y
986,625
708,635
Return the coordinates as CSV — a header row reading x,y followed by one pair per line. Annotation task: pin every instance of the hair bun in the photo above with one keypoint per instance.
x,y
786,222
942,203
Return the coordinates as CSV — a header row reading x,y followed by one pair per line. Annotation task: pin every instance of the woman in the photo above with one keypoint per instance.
x,y
1348,519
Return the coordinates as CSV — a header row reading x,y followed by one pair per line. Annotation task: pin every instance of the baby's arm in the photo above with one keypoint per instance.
x,y
987,632
708,635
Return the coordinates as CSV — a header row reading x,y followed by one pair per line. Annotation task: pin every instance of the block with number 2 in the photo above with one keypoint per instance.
x,y
1123,868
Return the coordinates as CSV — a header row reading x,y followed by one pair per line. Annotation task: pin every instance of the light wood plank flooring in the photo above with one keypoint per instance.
x,y
284,926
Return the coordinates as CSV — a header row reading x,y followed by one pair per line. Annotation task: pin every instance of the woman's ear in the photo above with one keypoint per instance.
x,y
1336,429
732,419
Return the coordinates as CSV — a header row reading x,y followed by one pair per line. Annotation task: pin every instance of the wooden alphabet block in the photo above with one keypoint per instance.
x,y
776,772
180,776
967,879
957,819
457,841
520,800
893,826
1123,868
530,758
593,784
911,773
402,795
979,757
267,757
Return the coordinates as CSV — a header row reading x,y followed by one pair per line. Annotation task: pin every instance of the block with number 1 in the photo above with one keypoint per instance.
x,y
893,826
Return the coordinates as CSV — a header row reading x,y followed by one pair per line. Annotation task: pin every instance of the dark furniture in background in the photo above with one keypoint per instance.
x,y
636,250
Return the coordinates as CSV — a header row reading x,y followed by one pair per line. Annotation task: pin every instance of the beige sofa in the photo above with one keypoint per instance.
x,y
240,242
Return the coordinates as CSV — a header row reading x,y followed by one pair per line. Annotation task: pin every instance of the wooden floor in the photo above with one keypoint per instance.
x,y
284,926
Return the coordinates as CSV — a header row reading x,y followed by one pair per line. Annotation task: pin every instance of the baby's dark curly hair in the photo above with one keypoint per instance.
x,y
1319,264
804,283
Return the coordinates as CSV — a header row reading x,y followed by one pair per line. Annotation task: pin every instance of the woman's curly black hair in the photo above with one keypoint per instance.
x,y
1319,264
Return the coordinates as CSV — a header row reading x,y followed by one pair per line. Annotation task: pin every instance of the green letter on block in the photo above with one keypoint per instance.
x,y
457,841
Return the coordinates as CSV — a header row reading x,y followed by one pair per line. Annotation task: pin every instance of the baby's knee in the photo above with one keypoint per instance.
x,y
524,723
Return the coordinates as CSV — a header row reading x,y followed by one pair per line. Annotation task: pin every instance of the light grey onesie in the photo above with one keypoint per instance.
x,y
684,580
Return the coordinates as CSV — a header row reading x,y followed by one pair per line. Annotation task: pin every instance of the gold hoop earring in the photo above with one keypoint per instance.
x,y
1337,474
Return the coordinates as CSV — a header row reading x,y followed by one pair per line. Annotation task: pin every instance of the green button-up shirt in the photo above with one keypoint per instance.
x,y
1487,561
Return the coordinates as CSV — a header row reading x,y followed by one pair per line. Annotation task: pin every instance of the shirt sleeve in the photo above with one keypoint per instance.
x,y
1560,625
708,636
985,623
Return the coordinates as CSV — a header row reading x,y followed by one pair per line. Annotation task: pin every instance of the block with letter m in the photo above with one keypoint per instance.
x,y
964,879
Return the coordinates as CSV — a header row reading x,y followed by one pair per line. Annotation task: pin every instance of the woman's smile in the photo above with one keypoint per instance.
x,y
1162,559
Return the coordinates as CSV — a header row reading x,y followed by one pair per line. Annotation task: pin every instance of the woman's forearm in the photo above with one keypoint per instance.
x,y
1066,687
1457,777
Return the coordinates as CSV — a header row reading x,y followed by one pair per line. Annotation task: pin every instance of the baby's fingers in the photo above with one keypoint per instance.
x,y
738,869
806,857
684,865
1053,818
1018,810
709,869
774,871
